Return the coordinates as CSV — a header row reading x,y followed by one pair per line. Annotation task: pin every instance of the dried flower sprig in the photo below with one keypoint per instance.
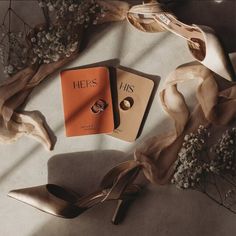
x,y
204,170
61,38
190,165
193,160
224,153
14,50
58,38
80,11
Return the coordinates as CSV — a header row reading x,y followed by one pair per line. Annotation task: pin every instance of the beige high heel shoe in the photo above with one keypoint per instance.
x,y
61,202
202,41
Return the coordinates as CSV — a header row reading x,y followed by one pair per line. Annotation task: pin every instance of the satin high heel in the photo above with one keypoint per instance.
x,y
61,202
117,184
202,42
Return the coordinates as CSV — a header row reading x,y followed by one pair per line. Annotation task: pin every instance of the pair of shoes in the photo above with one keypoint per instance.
x,y
202,41
61,202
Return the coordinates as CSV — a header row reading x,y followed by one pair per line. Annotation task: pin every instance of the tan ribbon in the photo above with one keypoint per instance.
x,y
13,94
216,105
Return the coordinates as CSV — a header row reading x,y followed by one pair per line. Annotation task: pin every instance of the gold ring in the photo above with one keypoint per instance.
x,y
99,106
127,103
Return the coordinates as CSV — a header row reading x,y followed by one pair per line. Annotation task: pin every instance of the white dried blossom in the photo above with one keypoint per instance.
x,y
189,165
14,53
224,152
62,38
193,161
59,38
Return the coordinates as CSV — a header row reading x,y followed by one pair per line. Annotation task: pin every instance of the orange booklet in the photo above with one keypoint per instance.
x,y
87,101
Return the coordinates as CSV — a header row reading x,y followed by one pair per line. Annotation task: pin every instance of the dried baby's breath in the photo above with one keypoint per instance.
x,y
62,38
14,50
57,38
189,165
193,162
224,153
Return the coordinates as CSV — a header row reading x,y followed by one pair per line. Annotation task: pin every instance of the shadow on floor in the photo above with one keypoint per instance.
x,y
82,171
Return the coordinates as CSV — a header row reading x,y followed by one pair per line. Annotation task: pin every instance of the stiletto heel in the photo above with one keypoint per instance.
x,y
123,205
119,213
202,42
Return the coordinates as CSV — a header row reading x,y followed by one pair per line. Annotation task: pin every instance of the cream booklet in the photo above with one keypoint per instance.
x,y
134,92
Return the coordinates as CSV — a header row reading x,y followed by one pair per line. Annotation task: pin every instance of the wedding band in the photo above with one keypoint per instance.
x,y
127,103
99,106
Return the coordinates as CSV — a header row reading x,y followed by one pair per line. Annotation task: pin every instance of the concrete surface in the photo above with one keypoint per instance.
x,y
163,211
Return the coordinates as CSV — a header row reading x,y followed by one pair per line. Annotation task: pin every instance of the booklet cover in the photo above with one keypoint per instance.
x,y
134,92
87,101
